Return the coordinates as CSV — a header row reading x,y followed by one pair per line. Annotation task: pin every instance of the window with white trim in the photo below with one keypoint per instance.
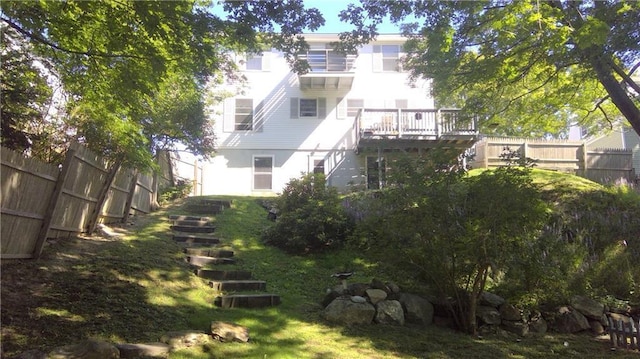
x,y
262,172
244,114
318,166
390,57
308,107
253,62
353,106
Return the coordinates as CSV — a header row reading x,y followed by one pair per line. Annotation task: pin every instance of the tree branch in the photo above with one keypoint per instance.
x,y
44,41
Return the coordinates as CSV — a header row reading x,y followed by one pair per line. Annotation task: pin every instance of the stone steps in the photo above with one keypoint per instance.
x,y
223,274
238,285
195,239
193,229
179,217
192,223
201,261
209,252
247,300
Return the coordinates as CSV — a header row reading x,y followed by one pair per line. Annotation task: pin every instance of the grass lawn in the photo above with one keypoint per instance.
x,y
135,287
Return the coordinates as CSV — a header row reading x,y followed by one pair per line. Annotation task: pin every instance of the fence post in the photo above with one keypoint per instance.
x,y
53,202
132,190
584,159
102,196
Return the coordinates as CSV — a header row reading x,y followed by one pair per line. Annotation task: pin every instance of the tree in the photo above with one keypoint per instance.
x,y
453,231
121,62
525,67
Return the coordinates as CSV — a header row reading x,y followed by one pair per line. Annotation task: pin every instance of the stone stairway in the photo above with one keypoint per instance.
x,y
237,285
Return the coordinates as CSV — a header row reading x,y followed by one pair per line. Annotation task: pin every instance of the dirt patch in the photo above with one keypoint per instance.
x,y
87,287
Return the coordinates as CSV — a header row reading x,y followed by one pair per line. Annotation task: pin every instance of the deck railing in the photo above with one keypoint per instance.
x,y
432,123
328,61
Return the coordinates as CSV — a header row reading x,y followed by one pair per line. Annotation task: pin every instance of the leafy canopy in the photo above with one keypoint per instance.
x,y
135,71
528,68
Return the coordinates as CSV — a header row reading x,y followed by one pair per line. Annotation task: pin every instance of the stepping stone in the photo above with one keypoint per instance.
x,y
216,202
149,350
176,217
247,301
192,223
238,285
223,274
194,239
193,229
203,208
203,261
220,253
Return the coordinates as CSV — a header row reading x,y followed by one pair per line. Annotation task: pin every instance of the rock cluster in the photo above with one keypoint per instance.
x,y
375,302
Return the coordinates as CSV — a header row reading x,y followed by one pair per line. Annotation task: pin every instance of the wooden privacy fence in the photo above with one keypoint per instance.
x,y
41,200
600,165
624,334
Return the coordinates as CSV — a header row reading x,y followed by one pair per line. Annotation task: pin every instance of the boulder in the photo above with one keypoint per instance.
x,y
587,306
185,339
488,315
569,320
229,332
491,300
330,296
358,299
30,354
510,312
389,312
417,309
378,284
344,311
376,295
538,325
394,288
357,289
88,349
519,328
596,327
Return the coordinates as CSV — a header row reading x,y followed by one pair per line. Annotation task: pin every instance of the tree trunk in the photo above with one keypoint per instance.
x,y
616,91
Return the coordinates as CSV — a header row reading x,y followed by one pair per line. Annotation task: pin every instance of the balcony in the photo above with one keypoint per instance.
x,y
328,70
413,129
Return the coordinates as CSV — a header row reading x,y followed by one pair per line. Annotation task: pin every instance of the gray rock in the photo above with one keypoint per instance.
x,y
378,284
185,339
490,299
88,349
488,315
394,288
538,325
357,289
149,350
587,306
520,328
343,311
376,295
229,332
596,327
570,320
389,312
416,309
30,354
510,312
358,299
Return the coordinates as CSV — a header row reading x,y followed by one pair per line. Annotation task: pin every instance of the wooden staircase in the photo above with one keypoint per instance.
x,y
238,286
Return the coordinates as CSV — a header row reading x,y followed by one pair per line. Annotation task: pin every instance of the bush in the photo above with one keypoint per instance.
x,y
310,218
180,190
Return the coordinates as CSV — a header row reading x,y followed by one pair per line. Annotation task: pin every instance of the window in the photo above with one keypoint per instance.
x,y
254,62
386,58
308,107
376,171
257,62
262,172
244,114
318,166
353,106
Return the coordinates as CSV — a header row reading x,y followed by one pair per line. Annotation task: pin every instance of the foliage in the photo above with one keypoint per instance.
x,y
454,231
311,217
527,68
180,190
134,72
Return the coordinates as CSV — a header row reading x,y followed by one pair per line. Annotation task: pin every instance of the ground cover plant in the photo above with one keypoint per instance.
x,y
134,287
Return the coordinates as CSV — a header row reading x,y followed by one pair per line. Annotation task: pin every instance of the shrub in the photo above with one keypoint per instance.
x,y
180,190
310,218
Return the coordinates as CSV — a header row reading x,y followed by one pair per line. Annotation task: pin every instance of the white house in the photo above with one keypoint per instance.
x,y
341,119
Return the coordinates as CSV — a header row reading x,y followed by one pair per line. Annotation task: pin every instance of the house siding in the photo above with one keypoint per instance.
x,y
294,141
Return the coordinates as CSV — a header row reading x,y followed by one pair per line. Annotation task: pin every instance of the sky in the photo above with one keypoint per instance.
x,y
330,10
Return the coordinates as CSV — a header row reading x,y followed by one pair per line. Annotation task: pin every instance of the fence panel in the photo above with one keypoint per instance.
x,y
115,204
143,194
610,166
26,186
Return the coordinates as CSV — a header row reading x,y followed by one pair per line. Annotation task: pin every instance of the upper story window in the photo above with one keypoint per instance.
x,y
348,107
387,58
308,107
244,114
256,62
